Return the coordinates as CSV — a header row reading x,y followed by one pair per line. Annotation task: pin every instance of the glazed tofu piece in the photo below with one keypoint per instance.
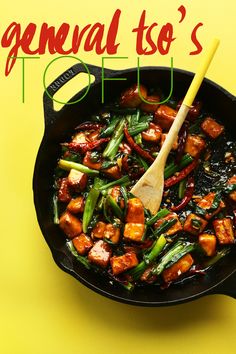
x,y
177,269
134,232
232,195
208,243
88,161
131,97
77,180
98,230
206,203
212,128
108,231
100,254
163,138
113,172
135,211
194,145
76,205
224,230
82,244
71,225
165,116
112,233
80,138
64,191
173,229
194,224
152,134
120,264
152,104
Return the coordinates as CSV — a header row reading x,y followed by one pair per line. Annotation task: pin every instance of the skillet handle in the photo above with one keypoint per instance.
x,y
50,114
227,287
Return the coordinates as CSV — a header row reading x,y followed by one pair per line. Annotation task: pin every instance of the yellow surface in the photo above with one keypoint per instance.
x,y
43,310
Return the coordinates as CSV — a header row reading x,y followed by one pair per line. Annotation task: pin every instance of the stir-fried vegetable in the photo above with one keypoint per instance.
x,y
108,230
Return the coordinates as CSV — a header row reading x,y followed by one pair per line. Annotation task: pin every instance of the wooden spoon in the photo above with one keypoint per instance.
x,y
149,187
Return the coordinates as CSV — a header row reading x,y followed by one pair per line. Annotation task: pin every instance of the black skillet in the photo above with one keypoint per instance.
x,y
59,126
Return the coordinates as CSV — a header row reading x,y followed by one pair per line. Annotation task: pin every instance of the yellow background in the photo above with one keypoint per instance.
x,y
42,309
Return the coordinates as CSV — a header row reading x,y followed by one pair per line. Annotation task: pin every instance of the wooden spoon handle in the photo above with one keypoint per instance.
x,y
188,100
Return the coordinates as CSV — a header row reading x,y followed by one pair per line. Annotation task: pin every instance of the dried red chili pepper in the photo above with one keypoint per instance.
x,y
84,147
136,147
181,142
88,126
169,182
187,195
125,165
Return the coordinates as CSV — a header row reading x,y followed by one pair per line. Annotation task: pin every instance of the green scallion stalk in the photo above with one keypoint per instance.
x,y
165,226
182,187
138,139
121,181
117,137
158,246
172,256
90,203
115,207
142,162
79,258
55,209
68,165
109,130
172,167
160,214
138,128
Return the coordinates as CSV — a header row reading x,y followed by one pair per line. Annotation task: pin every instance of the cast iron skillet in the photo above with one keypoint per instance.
x,y
59,126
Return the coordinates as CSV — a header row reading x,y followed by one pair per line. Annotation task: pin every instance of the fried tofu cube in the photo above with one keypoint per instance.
x,y
88,161
177,269
206,203
153,133
208,244
64,191
194,224
98,230
232,195
100,254
224,230
108,231
76,205
80,138
132,97
134,231
163,138
152,104
70,224
77,180
165,116
135,211
82,243
212,128
113,172
194,145
120,264
112,233
173,229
